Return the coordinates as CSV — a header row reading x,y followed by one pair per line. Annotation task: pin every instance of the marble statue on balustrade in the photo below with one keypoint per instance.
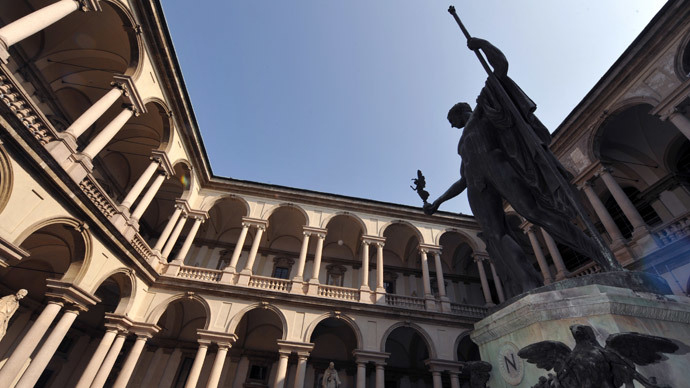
x,y
589,365
505,156
8,306
330,377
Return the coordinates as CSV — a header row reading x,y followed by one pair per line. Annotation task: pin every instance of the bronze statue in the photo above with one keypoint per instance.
x,y
505,155
419,185
479,371
589,365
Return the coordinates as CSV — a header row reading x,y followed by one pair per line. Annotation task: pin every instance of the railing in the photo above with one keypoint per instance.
x,y
22,107
339,293
673,231
141,246
98,196
586,269
465,309
405,301
267,283
203,274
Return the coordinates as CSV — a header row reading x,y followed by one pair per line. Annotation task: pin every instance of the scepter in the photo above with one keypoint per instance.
x,y
528,134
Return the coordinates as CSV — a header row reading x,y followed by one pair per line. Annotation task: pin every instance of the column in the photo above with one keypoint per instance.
x,y
282,369
193,377
497,282
317,258
217,367
188,240
131,361
482,277
34,22
148,197
92,367
541,259
31,339
302,257
364,284
139,186
173,236
255,248
168,229
238,248
681,122
439,275
86,120
425,274
379,268
301,369
38,364
561,271
380,376
623,202
603,214
109,361
106,134
436,376
454,380
361,374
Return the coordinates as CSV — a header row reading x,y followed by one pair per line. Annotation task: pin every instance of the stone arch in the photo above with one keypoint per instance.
x,y
468,239
425,336
135,39
349,321
158,311
232,325
168,125
462,338
6,178
354,216
682,60
209,203
383,228
78,268
127,282
267,214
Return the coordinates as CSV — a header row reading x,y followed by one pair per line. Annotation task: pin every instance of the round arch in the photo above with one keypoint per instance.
x,y
232,325
190,186
209,202
466,238
462,338
127,282
166,138
349,321
417,232
135,39
353,216
158,311
682,61
427,338
267,214
6,178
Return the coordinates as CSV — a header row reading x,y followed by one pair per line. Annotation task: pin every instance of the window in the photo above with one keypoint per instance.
x,y
281,272
389,286
258,373
335,275
282,267
389,279
224,259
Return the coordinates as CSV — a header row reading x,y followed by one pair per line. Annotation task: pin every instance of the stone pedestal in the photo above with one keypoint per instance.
x,y
547,313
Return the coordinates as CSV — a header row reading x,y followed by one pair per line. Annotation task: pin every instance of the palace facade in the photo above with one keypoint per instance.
x,y
145,270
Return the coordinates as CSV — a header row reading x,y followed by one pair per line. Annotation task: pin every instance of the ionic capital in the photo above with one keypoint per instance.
x,y
126,84
255,222
318,232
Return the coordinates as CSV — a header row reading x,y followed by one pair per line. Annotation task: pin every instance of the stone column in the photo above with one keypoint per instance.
x,y
561,271
361,374
168,229
109,361
140,184
541,259
482,277
199,359
131,361
364,283
217,367
436,376
253,251
631,213
603,214
681,122
425,274
454,380
106,134
380,289
302,257
45,353
317,258
97,359
179,259
174,236
34,22
31,339
301,369
380,376
238,248
148,197
282,368
497,282
439,275
86,120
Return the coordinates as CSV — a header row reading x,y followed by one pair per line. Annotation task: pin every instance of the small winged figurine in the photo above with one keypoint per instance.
x,y
479,372
419,185
589,365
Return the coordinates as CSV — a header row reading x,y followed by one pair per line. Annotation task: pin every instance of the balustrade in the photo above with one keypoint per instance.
x,y
203,274
405,302
673,231
343,293
268,283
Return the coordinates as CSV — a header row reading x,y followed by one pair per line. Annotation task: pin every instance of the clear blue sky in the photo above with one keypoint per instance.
x,y
350,97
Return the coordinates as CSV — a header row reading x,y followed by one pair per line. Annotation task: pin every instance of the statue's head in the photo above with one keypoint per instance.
x,y
459,114
22,293
331,365
582,333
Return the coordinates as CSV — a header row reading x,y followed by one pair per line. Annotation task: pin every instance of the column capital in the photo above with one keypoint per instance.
x,y
70,294
126,84
429,248
144,329
437,365
256,222
164,161
365,356
318,232
183,205
117,322
198,215
297,347
373,240
89,5
480,256
220,338
603,170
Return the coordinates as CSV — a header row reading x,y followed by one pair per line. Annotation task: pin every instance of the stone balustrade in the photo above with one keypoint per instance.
x,y
342,293
202,274
98,196
19,102
468,310
268,283
141,246
673,231
405,302
586,269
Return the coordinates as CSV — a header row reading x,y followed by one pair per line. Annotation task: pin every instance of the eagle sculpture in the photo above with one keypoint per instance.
x,y
589,365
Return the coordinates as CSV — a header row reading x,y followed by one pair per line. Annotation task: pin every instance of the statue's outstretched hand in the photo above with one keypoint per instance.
x,y
430,208
475,43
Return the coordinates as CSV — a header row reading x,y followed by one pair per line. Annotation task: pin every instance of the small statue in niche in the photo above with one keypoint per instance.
x,y
8,306
330,377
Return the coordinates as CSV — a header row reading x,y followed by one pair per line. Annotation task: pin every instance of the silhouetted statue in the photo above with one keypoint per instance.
x,y
589,365
419,185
